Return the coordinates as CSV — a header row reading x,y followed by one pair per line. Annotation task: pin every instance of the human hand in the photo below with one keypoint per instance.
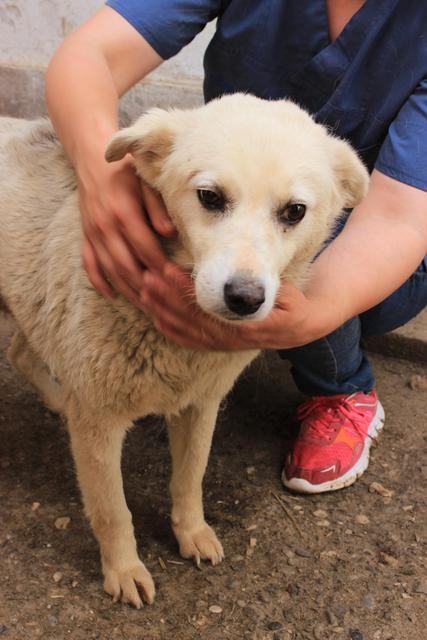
x,y
118,217
295,319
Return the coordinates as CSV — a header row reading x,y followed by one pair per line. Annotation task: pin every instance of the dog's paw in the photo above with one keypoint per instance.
x,y
200,544
132,585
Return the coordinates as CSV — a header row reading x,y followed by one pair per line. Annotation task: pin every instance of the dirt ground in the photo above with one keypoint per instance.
x,y
346,565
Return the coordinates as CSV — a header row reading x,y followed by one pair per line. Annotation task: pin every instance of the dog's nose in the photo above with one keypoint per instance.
x,y
243,295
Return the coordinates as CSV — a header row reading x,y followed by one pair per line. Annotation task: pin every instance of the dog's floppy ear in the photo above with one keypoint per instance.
x,y
352,175
149,141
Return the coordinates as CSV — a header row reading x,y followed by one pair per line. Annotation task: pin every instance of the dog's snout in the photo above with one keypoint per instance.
x,y
243,295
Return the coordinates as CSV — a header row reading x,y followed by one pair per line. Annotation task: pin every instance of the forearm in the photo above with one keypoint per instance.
x,y
379,248
92,68
82,101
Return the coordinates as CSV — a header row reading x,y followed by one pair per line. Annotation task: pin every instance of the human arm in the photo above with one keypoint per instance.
x,y
381,246
92,68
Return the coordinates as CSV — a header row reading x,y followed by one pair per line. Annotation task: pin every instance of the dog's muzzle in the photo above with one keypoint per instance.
x,y
244,295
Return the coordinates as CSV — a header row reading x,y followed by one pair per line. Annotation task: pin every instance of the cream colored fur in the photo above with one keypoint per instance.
x,y
103,364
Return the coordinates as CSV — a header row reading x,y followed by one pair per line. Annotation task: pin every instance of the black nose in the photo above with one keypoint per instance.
x,y
243,295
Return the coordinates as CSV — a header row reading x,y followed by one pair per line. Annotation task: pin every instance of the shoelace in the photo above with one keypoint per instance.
x,y
325,411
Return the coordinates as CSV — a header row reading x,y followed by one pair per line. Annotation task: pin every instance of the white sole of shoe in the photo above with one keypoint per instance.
x,y
303,486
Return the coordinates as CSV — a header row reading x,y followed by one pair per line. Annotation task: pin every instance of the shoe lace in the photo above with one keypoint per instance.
x,y
325,412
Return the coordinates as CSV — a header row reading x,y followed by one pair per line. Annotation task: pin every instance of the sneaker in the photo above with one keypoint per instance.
x,y
332,448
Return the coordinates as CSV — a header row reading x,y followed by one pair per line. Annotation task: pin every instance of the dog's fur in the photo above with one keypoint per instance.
x,y
102,363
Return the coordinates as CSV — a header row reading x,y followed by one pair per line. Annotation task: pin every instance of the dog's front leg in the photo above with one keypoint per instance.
x,y
97,449
190,436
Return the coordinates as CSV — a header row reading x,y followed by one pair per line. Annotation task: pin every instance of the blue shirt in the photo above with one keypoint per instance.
x,y
369,85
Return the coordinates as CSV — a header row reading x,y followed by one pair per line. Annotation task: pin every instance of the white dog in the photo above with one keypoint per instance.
x,y
253,188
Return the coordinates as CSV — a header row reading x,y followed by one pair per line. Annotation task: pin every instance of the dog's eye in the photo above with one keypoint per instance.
x,y
211,200
292,213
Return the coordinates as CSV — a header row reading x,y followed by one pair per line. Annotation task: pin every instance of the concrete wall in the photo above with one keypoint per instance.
x,y
30,31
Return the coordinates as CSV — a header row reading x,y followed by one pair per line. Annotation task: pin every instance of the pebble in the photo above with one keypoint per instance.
x,y
53,621
332,619
250,471
390,560
421,586
355,634
322,523
418,383
250,613
303,553
376,487
241,603
57,576
35,506
362,519
320,513
274,625
63,522
215,609
3,629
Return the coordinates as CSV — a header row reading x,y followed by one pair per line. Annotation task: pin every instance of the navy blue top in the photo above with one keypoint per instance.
x,y
369,85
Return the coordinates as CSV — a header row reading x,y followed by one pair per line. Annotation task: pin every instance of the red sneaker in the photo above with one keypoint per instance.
x,y
332,448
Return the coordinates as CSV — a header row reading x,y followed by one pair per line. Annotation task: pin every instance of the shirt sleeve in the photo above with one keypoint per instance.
x,y
167,25
403,154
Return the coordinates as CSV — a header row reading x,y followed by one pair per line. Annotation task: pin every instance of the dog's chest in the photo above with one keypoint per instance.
x,y
133,369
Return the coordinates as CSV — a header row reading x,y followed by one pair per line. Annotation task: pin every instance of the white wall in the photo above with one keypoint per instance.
x,y
30,30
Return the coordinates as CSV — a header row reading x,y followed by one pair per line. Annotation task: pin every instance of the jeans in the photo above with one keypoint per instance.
x,y
336,364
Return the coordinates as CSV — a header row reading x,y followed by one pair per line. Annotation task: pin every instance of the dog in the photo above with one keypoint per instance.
x,y
253,188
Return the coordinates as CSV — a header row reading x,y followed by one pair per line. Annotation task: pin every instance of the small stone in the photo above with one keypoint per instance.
x,y
421,586
53,621
388,559
63,522
35,506
418,383
303,553
241,603
408,507
355,634
250,613
74,584
237,558
57,576
377,635
250,471
322,523
320,513
362,519
3,629
201,621
251,547
376,487
215,609
274,625
332,619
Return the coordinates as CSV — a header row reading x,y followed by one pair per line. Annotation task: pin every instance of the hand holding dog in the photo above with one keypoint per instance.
x,y
118,217
295,319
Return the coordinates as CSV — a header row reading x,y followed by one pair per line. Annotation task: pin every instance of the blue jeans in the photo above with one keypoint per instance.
x,y
336,364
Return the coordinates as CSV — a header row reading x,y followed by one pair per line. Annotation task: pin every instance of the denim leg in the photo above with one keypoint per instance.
x,y
396,310
336,364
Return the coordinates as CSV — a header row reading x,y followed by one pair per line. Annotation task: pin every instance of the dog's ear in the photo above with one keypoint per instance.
x,y
149,141
352,175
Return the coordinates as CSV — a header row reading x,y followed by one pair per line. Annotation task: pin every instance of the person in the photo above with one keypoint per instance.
x,y
360,68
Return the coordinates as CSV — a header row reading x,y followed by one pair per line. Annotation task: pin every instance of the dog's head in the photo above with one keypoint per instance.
x,y
253,187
